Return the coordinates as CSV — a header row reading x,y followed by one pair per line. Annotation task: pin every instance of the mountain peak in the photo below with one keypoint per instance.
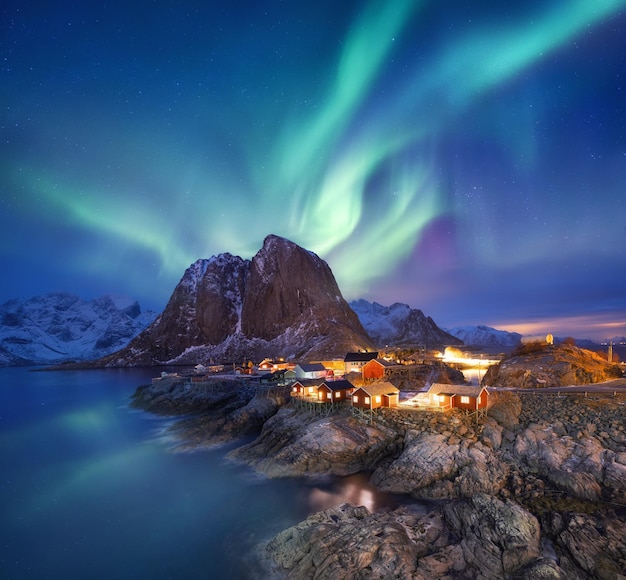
x,y
285,301
399,324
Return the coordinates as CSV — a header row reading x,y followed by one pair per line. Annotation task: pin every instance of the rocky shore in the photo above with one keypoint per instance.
x,y
537,489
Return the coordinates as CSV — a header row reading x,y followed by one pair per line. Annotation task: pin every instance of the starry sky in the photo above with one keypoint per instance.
x,y
465,158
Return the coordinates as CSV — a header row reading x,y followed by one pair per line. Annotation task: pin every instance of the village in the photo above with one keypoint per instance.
x,y
416,428
364,382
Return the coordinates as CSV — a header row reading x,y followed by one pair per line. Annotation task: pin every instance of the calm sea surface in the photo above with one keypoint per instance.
x,y
89,489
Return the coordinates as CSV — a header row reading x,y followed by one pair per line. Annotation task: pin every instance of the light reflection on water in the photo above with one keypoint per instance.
x,y
88,490
354,489
349,491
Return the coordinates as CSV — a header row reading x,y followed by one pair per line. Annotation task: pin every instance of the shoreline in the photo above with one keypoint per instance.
x,y
540,456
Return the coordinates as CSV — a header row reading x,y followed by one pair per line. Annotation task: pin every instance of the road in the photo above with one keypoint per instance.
x,y
614,386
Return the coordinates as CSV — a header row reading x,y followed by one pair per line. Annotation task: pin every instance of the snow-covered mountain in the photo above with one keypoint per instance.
x,y
400,325
485,336
59,327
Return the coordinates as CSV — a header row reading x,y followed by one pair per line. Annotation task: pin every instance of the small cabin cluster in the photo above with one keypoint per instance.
x,y
321,385
321,395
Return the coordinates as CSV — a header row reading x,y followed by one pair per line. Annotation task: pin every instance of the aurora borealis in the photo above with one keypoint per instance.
x,y
466,158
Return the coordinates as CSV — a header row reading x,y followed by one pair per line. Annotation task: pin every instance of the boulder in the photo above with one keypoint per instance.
x,y
224,424
572,465
294,443
505,408
498,538
478,538
436,465
542,569
174,396
350,542
595,544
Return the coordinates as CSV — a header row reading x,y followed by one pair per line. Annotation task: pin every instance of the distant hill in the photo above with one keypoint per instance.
x,y
284,302
400,325
485,336
542,365
59,327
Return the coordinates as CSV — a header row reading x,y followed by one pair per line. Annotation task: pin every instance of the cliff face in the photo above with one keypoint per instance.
x,y
219,298
285,301
285,284
292,300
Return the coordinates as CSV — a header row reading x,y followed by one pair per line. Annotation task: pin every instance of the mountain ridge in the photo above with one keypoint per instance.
x,y
283,302
59,327
401,325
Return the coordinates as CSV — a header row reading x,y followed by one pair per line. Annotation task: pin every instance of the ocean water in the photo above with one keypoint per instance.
x,y
90,489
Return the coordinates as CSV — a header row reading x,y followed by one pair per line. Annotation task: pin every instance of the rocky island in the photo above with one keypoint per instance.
x,y
535,490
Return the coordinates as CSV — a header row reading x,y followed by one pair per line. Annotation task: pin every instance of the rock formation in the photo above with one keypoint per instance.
x,y
523,492
285,302
296,444
481,537
543,365
528,492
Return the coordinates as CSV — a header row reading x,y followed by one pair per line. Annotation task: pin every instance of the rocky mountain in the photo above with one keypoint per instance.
x,y
400,325
283,302
485,336
544,365
59,327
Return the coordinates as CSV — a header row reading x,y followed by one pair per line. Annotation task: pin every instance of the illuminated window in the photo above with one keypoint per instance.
x,y
337,394
310,390
355,399
377,399
465,400
367,400
440,398
320,395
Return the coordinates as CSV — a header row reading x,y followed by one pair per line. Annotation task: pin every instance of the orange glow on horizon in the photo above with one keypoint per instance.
x,y
585,326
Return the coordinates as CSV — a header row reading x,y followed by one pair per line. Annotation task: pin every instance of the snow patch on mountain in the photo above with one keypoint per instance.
x,y
59,327
485,336
400,325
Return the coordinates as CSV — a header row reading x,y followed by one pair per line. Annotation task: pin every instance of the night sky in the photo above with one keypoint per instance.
x,y
465,158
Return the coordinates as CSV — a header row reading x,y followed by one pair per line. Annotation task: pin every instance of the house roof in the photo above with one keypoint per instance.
x,y
340,385
360,356
461,390
380,388
384,363
309,382
312,367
